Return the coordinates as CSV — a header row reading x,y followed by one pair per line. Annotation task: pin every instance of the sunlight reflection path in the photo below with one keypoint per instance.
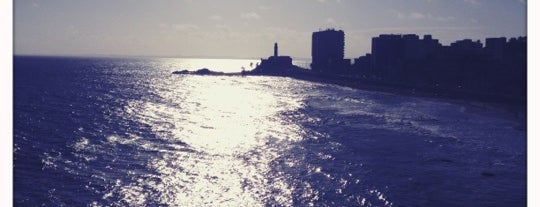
x,y
229,134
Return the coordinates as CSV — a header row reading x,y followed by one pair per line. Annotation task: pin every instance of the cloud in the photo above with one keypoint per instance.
x,y
282,33
225,31
326,1
412,15
264,8
185,27
473,2
178,28
224,28
250,15
420,16
416,15
441,18
330,20
403,30
216,18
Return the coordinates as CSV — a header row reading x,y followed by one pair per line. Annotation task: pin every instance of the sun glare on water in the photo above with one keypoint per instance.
x,y
224,135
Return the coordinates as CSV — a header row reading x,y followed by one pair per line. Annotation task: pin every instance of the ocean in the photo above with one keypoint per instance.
x,y
127,132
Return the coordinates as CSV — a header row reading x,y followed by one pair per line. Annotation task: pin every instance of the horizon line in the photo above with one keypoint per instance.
x,y
145,56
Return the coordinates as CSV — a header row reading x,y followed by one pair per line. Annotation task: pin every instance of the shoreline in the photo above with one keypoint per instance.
x,y
512,107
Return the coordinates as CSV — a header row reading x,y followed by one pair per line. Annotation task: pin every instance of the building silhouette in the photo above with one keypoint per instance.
x,y
495,47
275,50
277,60
328,50
385,54
395,56
465,68
275,64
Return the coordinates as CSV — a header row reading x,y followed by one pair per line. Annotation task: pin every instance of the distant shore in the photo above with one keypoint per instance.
x,y
515,108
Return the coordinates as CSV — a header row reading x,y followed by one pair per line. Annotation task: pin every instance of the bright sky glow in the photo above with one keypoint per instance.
x,y
247,29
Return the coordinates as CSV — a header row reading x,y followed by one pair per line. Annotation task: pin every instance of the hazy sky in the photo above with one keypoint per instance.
x,y
235,28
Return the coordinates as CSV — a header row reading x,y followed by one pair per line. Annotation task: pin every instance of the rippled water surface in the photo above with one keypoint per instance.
x,y
126,132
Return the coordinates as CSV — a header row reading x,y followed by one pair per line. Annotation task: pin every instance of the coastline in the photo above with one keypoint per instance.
x,y
512,107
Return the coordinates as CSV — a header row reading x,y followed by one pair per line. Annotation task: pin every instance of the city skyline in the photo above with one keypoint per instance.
x,y
414,62
245,29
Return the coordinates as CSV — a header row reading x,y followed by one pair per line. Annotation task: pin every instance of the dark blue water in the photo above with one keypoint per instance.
x,y
126,132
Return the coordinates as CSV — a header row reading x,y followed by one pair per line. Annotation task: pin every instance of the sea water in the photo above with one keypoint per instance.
x,y
127,132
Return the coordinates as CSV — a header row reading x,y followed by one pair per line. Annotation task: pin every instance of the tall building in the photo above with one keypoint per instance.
x,y
327,50
394,54
495,47
385,54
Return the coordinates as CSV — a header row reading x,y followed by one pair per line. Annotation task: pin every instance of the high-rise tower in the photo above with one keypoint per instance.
x,y
327,49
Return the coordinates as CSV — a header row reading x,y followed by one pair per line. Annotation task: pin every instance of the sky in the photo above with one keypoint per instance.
x,y
247,28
